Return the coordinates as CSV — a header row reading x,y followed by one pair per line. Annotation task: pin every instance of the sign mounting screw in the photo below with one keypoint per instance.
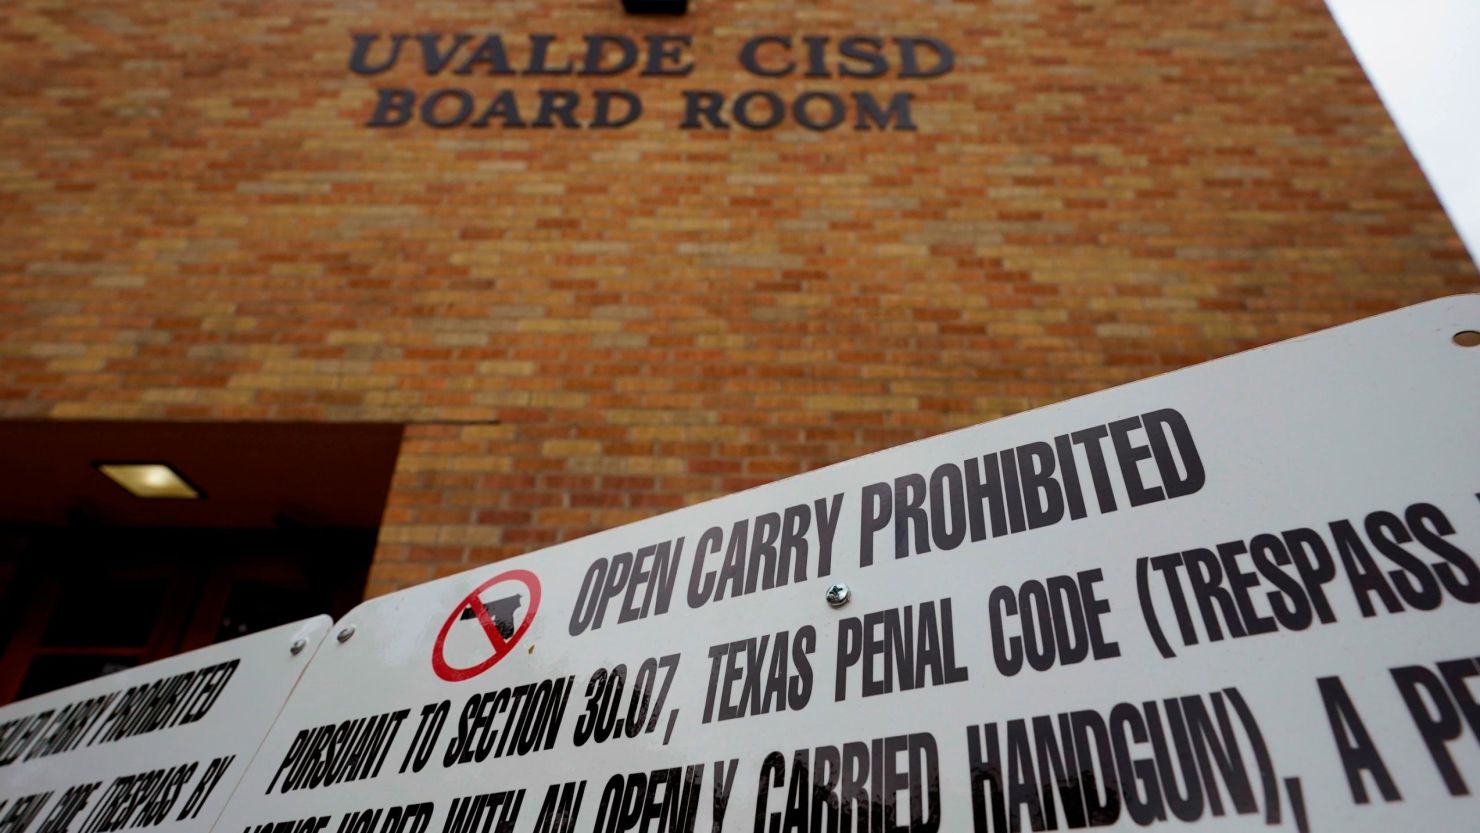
x,y
345,633
838,594
298,645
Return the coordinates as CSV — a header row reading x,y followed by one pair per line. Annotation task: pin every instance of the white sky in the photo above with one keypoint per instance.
x,y
1424,58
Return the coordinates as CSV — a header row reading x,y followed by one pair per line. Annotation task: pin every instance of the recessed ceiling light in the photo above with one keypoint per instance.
x,y
149,480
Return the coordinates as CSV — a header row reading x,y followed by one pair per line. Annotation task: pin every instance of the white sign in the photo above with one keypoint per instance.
x,y
159,747
1240,595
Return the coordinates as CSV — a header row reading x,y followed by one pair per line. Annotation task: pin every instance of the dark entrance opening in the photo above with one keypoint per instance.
x,y
94,579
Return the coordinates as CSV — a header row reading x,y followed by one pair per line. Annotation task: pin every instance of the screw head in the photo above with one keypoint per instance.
x,y
298,645
345,633
838,594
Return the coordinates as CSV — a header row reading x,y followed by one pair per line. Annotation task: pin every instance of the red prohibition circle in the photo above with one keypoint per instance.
x,y
501,647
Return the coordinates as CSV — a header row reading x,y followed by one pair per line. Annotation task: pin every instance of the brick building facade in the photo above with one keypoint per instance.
x,y
581,326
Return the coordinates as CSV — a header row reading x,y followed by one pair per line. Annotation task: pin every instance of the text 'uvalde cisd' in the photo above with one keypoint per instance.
x,y
471,58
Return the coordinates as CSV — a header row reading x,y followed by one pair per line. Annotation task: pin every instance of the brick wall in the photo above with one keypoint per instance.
x,y
586,327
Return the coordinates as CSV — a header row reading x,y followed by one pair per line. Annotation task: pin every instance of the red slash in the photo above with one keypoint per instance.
x,y
501,645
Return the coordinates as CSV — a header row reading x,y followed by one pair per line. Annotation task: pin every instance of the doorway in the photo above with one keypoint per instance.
x,y
94,579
